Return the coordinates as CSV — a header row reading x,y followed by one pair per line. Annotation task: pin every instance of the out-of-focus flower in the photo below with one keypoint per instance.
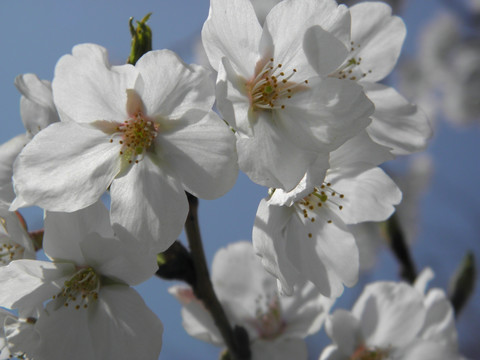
x,y
286,114
146,132
394,321
446,75
90,309
276,325
37,111
17,334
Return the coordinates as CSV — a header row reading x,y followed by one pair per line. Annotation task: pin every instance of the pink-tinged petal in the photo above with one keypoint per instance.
x,y
323,251
122,318
149,203
36,105
324,116
345,331
64,333
27,283
286,25
169,87
232,99
324,51
232,30
196,319
379,36
64,232
282,349
390,314
9,152
368,193
305,312
201,151
269,158
360,148
65,167
86,88
134,103
397,123
270,244
123,259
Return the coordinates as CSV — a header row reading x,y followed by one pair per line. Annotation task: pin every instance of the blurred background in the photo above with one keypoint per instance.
x,y
439,69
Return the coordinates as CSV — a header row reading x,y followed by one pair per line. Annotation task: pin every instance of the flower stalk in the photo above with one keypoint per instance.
x,y
238,346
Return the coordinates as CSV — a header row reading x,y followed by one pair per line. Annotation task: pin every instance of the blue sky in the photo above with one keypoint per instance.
x,y
34,34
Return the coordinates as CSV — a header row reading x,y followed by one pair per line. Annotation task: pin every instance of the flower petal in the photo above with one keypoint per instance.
x,y
183,87
283,349
149,203
397,123
9,152
27,283
86,88
64,232
65,167
345,331
390,314
369,193
380,37
232,30
201,151
269,242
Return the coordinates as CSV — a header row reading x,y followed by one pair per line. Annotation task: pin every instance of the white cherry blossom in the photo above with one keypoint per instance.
x,y
15,242
286,113
90,310
146,132
276,325
304,234
394,321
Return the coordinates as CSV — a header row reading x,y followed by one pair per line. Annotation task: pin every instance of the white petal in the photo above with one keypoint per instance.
x,y
331,352
360,148
149,203
380,36
427,350
325,253
324,51
65,167
390,314
269,158
344,330
269,242
396,123
36,105
201,150
183,87
122,327
327,114
232,30
121,259
369,193
305,311
86,88
9,152
27,283
65,231
232,99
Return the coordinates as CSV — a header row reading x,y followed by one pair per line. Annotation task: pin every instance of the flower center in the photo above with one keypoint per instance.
x,y
81,289
137,135
321,196
350,69
364,353
271,86
10,252
268,321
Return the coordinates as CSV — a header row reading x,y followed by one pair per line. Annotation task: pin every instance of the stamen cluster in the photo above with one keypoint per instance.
x,y
138,134
364,353
269,322
82,288
270,86
9,252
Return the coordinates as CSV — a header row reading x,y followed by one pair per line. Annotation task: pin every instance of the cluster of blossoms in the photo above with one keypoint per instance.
x,y
301,112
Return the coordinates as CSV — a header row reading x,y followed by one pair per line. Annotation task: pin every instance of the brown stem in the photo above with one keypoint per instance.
x,y
203,288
